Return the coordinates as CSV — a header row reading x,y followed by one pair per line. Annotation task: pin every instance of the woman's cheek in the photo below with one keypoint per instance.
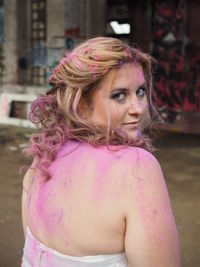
x,y
117,116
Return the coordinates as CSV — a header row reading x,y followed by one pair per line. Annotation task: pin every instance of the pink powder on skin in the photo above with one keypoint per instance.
x,y
49,212
139,134
29,195
97,167
29,200
117,176
42,205
58,215
140,76
151,216
52,215
66,243
111,179
100,179
45,210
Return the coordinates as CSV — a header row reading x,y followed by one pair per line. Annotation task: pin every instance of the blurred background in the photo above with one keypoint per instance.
x,y
35,35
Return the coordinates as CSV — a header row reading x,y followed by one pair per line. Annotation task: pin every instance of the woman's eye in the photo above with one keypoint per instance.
x,y
119,96
141,91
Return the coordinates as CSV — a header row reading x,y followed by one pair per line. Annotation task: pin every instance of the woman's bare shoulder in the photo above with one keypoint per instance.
x,y
143,166
138,159
133,163
149,216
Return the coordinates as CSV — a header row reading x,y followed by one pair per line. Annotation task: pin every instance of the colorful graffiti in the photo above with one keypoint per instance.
x,y
73,38
177,84
73,35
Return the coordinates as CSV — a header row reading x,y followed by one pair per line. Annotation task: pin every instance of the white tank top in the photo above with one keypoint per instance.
x,y
37,254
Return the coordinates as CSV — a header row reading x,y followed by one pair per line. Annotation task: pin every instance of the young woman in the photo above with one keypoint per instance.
x,y
95,195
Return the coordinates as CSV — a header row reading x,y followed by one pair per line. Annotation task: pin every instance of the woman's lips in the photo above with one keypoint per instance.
x,y
132,125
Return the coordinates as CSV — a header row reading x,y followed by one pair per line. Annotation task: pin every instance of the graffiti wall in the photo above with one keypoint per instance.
x,y
73,34
177,84
55,51
38,55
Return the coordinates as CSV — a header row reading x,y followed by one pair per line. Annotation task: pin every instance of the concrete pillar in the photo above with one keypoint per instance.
x,y
55,22
95,18
55,33
23,41
10,43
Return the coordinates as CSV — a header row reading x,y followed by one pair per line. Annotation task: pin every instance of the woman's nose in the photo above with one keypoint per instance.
x,y
136,108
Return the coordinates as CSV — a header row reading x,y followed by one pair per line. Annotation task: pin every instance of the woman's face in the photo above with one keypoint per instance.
x,y
123,104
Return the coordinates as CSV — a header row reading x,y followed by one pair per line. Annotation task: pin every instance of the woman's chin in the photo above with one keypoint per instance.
x,y
133,133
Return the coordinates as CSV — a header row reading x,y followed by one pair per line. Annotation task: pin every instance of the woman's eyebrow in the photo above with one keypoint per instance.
x,y
127,87
121,88
144,84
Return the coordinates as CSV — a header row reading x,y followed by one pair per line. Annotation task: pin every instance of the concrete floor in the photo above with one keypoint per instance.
x,y
179,155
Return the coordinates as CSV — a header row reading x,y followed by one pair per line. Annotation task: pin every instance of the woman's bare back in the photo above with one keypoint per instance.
x,y
103,202
79,211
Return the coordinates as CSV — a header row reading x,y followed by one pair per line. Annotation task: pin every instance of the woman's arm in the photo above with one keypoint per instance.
x,y
151,238
26,187
24,200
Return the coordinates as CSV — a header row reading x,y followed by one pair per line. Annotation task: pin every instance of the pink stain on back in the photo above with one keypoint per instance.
x,y
46,207
153,217
58,215
29,200
103,164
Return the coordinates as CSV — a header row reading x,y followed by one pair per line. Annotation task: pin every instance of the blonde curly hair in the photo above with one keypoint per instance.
x,y
74,80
